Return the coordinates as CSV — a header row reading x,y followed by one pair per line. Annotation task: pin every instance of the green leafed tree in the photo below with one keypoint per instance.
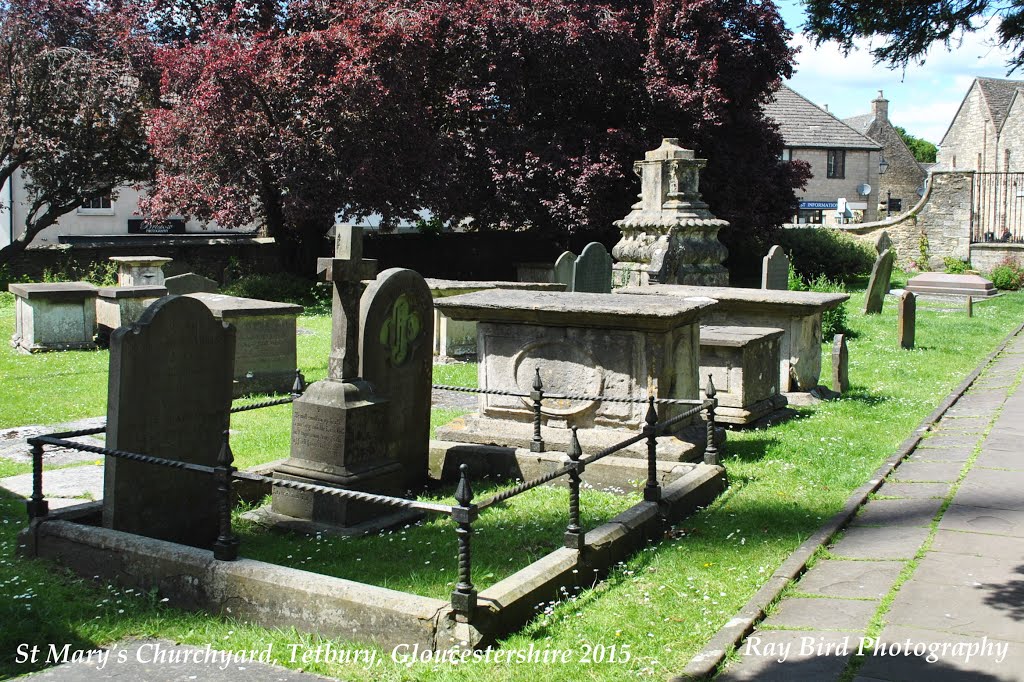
x,y
923,150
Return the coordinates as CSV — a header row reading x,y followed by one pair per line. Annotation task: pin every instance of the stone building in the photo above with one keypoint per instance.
x,y
902,183
987,133
844,162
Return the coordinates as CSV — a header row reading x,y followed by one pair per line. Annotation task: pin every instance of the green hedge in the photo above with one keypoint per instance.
x,y
821,252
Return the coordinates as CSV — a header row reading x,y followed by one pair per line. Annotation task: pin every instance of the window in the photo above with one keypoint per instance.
x,y
97,203
836,163
787,154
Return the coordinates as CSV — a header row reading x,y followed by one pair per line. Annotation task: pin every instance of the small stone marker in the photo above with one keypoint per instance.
x,y
970,306
190,283
395,354
840,364
170,397
882,242
593,270
775,269
878,285
907,319
564,265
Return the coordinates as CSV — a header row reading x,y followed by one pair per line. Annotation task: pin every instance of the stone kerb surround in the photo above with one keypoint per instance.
x,y
797,313
584,344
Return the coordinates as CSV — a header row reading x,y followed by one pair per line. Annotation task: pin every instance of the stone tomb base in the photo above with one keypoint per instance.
x,y
743,363
53,316
122,306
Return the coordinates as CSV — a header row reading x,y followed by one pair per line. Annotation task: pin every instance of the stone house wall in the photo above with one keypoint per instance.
x,y
968,144
861,167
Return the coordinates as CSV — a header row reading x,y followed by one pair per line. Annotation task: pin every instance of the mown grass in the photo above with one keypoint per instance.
x,y
667,601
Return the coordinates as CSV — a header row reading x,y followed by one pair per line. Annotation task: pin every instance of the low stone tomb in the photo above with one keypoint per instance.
x,y
265,341
190,283
743,364
583,344
53,316
140,270
942,285
796,313
121,306
453,338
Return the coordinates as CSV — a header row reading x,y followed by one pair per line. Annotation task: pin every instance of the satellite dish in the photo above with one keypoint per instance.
x,y
863,189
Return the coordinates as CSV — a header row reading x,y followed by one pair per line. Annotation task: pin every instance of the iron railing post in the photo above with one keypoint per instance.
x,y
37,505
299,385
710,451
226,546
464,596
537,396
652,491
574,531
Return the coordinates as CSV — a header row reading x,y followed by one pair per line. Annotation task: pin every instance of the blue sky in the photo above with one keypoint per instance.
x,y
922,99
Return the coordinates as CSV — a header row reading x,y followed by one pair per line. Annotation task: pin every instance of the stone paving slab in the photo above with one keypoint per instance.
x,y
977,544
964,424
917,490
823,614
952,665
873,542
929,454
1003,441
851,579
950,439
154,660
945,568
78,484
1001,459
954,609
927,471
984,520
905,512
991,488
762,650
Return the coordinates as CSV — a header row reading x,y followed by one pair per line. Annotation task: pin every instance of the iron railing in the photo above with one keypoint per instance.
x,y
997,208
463,513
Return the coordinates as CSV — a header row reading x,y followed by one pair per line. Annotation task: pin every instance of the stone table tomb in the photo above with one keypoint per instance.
x,y
53,316
942,285
743,364
121,306
140,270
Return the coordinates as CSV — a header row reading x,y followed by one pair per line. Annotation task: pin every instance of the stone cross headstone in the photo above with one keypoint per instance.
x,y
592,271
347,271
190,283
775,270
395,353
564,265
840,364
907,319
878,285
170,397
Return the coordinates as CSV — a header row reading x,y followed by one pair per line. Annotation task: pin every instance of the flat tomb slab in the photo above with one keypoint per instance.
x,y
942,284
742,298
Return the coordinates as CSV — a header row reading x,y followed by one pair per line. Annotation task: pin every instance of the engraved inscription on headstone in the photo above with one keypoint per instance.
x,y
775,270
169,397
907,319
564,265
592,271
840,364
878,285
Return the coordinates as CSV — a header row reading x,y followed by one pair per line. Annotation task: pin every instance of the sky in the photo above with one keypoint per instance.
x,y
922,99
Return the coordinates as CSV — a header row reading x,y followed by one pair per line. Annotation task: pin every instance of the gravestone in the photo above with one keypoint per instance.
x,y
190,283
840,364
564,266
592,272
882,242
169,396
395,353
775,270
878,285
907,319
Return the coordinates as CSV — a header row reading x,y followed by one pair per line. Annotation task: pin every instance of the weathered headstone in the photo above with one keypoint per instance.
x,y
592,271
775,269
840,364
169,396
190,283
878,285
564,265
882,242
907,320
395,333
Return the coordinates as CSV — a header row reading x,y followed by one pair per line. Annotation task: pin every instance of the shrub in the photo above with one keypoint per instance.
x,y
816,251
955,266
1008,275
283,287
832,321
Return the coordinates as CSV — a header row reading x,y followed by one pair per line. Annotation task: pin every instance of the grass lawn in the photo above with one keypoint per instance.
x,y
661,606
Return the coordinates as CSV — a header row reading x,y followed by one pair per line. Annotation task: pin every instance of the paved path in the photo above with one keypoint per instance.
x,y
933,565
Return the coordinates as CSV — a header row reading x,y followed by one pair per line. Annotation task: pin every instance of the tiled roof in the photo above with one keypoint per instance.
x,y
998,95
860,123
805,124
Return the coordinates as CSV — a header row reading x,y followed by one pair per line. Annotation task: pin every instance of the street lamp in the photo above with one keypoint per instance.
x,y
883,166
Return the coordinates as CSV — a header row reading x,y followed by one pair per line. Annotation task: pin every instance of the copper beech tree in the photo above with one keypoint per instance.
x,y
72,105
514,114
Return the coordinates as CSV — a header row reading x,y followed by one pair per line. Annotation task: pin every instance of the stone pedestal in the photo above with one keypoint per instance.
x,y
265,359
743,363
57,316
796,313
583,344
122,306
670,236
140,270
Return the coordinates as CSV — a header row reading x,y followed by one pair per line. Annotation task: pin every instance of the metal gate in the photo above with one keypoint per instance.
x,y
997,208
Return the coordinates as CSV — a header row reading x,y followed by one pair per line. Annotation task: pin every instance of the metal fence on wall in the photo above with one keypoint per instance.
x,y
997,208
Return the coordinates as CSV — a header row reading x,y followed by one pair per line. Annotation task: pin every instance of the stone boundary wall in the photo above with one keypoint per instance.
x,y
985,257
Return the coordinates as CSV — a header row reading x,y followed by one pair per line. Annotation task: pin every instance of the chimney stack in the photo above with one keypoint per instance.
x,y
880,107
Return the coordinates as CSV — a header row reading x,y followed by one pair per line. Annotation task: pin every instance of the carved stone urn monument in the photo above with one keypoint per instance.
x,y
669,237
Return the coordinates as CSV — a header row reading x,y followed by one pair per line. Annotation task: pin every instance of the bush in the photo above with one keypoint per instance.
x,y
282,287
955,266
832,321
816,252
1008,275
